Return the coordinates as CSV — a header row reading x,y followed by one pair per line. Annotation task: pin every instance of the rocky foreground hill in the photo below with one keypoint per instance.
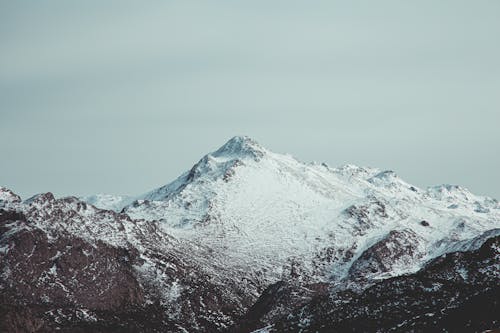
x,y
247,240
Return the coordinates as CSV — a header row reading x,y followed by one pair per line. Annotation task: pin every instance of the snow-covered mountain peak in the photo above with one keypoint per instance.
x,y
459,197
240,169
351,170
240,147
7,195
218,165
390,181
108,201
445,191
40,199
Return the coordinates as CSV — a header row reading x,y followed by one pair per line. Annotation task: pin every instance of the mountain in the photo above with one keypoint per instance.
x,y
243,239
270,214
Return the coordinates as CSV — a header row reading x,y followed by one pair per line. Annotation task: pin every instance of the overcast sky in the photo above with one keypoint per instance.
x,y
121,97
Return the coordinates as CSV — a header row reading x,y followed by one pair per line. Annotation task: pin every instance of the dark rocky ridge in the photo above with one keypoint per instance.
x,y
51,279
457,292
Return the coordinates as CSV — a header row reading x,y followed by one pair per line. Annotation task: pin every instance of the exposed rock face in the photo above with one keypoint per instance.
x,y
396,251
51,279
48,284
71,271
64,283
457,292
276,301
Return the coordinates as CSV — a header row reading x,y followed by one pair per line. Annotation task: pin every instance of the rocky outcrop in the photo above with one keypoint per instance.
x,y
277,301
397,251
7,196
457,292
60,271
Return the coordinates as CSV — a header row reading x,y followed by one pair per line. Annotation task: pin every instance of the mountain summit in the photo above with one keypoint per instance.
x,y
240,147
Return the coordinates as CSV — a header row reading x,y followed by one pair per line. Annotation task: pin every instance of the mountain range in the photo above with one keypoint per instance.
x,y
251,240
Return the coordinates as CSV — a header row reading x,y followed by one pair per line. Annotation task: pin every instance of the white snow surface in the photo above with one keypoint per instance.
x,y
108,201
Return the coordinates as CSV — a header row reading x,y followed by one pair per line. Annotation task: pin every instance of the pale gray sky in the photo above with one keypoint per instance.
x,y
123,96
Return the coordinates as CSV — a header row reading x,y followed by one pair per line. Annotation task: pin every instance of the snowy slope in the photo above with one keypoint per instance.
x,y
108,201
276,217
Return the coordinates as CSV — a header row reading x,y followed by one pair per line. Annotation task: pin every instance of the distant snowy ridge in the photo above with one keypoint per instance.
x,y
108,201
